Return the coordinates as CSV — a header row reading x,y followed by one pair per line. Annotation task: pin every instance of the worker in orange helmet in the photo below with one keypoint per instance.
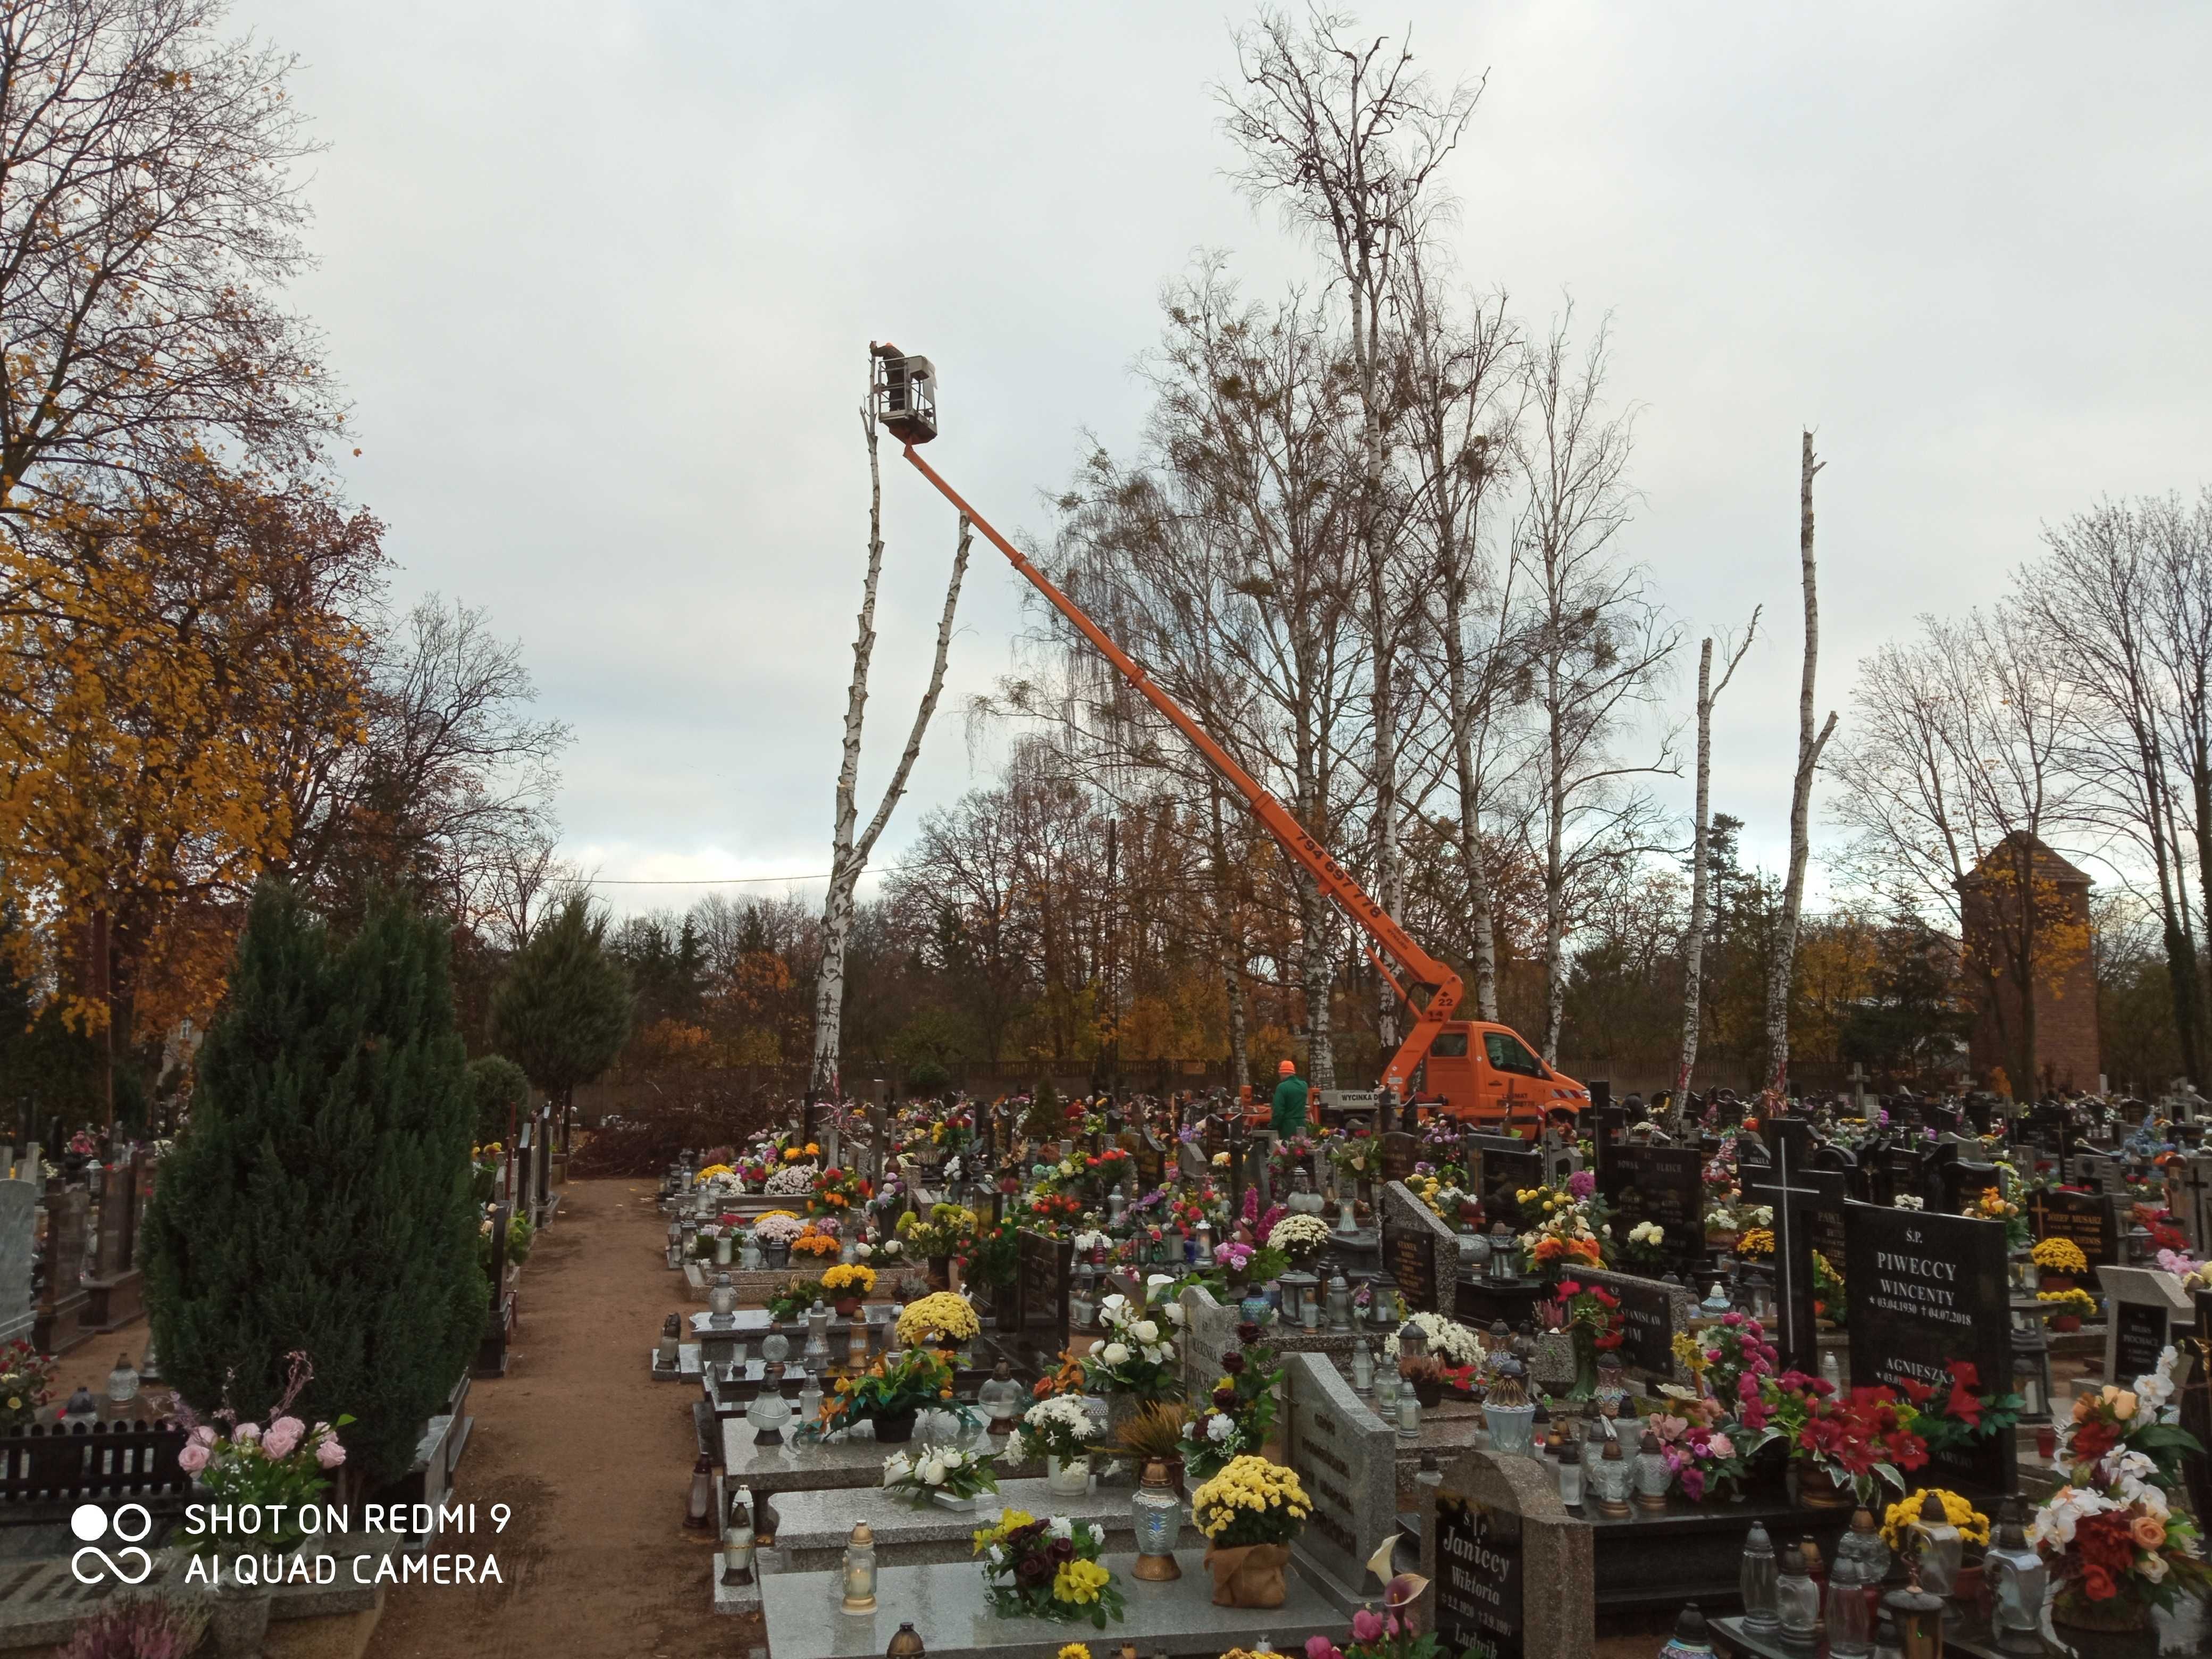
x,y
1290,1113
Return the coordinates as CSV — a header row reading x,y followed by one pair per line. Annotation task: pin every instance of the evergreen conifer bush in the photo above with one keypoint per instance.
x,y
319,1197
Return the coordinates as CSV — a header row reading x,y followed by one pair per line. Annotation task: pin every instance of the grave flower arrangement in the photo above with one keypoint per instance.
x,y
847,1283
815,1241
1356,1156
1061,1426
948,1231
890,1251
1583,1307
1240,1413
1054,1211
959,1476
1830,1300
2059,1256
1564,1228
1735,1350
1137,1354
993,1255
2067,1308
1993,1205
796,1297
940,1319
792,1181
1851,1438
888,1393
2116,1544
25,1383
1047,1569
1452,1342
1755,1242
1301,1238
833,1191
1644,1245
1704,1456
777,1227
277,1470
1249,1513
1897,1520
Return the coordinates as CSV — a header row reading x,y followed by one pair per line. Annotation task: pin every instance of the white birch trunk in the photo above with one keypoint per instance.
x,y
1555,878
1319,972
1809,746
848,855
1693,944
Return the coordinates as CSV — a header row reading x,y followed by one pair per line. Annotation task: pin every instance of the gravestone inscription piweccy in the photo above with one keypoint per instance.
x,y
1927,1290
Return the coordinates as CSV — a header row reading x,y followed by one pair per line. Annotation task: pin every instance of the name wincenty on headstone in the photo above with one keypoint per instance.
x,y
1927,1290
2091,1221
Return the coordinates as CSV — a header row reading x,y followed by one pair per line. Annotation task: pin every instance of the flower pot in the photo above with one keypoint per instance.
x,y
847,1306
1070,1479
238,1620
1585,1343
1248,1576
2051,1281
778,1257
946,1500
1429,1391
895,1428
1817,1489
2066,1322
2116,1613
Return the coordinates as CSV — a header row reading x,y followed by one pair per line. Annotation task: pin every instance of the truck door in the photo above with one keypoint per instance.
x,y
1514,1077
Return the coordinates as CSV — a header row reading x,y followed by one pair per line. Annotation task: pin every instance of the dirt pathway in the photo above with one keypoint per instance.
x,y
594,1457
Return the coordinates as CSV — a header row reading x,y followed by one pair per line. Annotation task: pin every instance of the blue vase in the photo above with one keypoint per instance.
x,y
1256,1308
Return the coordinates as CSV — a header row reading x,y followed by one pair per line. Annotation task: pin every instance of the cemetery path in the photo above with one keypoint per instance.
x,y
593,1456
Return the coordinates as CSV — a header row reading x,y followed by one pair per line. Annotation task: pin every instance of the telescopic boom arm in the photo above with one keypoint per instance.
x,y
1422,971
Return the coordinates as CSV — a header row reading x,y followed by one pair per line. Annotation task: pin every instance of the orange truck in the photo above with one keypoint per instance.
x,y
1477,1071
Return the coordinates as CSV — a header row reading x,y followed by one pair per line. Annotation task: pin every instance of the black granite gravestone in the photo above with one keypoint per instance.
x,y
2092,1220
2197,1405
1409,1254
1044,1266
1508,1165
1926,1290
2141,1331
1479,1574
1796,1193
1661,1184
1399,1151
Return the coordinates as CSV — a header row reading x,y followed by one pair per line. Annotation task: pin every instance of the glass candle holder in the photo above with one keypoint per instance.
x,y
1755,1579
1796,1599
859,1570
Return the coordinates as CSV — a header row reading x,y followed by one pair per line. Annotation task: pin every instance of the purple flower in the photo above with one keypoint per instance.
x,y
1581,1184
1366,1625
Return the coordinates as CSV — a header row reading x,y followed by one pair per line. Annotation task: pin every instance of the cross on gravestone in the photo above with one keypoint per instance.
x,y
1794,1191
2190,1190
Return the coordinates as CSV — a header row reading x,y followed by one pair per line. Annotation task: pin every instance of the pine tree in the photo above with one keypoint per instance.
x,y
320,1198
562,1013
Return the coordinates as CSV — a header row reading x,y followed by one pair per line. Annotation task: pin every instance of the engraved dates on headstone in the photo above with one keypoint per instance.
x,y
1410,1257
1660,1184
2091,1221
1479,1576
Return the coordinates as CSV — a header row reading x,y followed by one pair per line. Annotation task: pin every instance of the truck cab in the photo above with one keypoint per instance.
x,y
1485,1075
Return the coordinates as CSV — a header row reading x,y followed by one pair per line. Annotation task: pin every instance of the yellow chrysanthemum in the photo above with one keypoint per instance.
x,y
1973,1526
940,1314
2060,1255
1755,1241
1072,1649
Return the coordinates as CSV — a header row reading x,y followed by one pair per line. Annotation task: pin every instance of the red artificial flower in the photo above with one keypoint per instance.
x,y
1918,1393
2092,1439
1964,1403
1962,1370
2097,1584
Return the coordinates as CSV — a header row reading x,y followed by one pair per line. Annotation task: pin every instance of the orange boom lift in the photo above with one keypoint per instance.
x,y
1477,1071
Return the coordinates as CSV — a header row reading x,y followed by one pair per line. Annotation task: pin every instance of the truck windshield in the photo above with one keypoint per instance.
x,y
1508,1053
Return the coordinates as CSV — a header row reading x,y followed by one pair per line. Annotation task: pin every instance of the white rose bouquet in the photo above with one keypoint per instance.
x,y
922,1476
1137,1355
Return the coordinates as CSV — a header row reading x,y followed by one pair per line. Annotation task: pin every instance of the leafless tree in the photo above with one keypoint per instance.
x,y
1345,138
1809,745
1953,775
1461,407
148,213
1597,643
1693,936
849,851
2102,595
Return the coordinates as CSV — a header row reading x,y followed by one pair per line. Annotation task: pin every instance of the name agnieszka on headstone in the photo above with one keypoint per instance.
x,y
1478,1585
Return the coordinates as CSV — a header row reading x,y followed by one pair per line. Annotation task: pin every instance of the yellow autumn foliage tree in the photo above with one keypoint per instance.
x,y
166,657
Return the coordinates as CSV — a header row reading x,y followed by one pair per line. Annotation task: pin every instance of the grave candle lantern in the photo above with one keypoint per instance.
x,y
2018,1579
1611,1476
1848,1614
859,1570
1156,1513
1755,1582
699,1505
1938,1548
1652,1476
1363,1367
1918,1616
1796,1599
1691,1639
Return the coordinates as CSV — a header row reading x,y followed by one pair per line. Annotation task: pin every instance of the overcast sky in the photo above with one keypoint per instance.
x,y
601,281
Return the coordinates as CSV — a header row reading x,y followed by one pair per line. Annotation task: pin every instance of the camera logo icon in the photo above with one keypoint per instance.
x,y
128,1527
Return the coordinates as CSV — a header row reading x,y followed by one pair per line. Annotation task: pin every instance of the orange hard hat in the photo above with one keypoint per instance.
x,y
1289,1067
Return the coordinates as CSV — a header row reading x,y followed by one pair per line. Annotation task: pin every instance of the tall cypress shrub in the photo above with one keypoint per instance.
x,y
562,1011
320,1198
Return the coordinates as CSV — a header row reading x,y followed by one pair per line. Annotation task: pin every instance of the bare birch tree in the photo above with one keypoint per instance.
x,y
1597,642
1345,135
848,852
1809,745
1693,936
